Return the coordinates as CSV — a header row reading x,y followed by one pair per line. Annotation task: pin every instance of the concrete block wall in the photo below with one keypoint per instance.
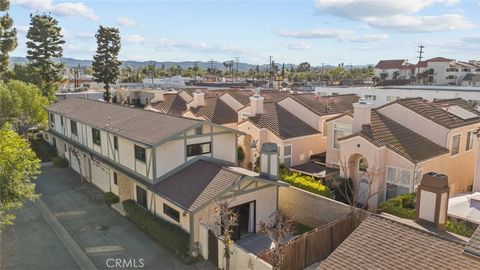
x,y
310,209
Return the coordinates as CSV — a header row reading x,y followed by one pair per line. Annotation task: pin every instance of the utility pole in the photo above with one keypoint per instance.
x,y
212,71
420,57
236,74
270,83
76,71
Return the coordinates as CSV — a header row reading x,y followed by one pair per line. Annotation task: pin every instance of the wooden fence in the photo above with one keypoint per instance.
x,y
310,247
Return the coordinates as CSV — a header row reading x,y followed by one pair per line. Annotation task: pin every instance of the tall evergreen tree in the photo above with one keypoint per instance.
x,y
106,66
8,37
44,45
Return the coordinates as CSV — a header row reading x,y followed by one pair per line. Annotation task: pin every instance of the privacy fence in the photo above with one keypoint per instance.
x,y
315,245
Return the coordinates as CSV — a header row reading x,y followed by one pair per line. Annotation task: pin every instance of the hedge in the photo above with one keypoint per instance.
x,y
460,228
307,183
401,206
110,198
59,162
169,235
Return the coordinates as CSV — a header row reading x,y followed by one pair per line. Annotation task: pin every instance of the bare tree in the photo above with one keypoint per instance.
x,y
351,191
278,229
224,218
76,154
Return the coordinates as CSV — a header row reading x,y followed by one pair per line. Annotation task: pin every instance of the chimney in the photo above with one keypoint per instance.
x,y
432,200
269,161
362,112
157,96
198,99
256,103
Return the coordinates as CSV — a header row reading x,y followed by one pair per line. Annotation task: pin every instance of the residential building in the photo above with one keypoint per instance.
x,y
397,142
379,96
444,71
172,102
175,167
394,70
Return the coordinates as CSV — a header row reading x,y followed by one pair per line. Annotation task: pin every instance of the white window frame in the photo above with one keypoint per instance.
x,y
467,143
344,128
459,144
397,176
288,156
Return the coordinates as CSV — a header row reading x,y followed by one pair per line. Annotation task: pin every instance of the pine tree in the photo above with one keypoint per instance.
x,y
106,66
44,45
8,37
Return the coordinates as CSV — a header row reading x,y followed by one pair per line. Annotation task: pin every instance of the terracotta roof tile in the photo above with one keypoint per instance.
x,y
281,122
216,111
172,104
391,64
325,105
381,243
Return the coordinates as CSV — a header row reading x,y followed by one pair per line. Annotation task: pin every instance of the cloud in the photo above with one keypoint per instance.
x,y
332,33
67,9
134,38
395,15
22,29
298,46
125,22
405,23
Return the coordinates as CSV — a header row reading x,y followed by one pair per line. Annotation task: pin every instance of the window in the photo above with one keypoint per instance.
x,y
96,136
455,144
398,182
142,196
198,149
340,130
115,178
140,153
73,127
469,144
61,121
52,118
362,165
287,155
198,130
169,211
115,142
370,97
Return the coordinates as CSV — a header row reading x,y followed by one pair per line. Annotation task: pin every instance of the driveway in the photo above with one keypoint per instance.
x,y
70,227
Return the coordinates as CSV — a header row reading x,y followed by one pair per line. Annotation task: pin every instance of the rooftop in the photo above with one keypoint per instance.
x,y
382,243
125,121
172,104
217,111
325,105
391,64
281,122
383,131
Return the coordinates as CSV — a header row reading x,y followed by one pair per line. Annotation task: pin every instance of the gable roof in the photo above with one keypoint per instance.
x,y
391,64
200,182
437,112
422,64
439,59
325,105
216,111
172,104
381,243
383,131
125,121
281,122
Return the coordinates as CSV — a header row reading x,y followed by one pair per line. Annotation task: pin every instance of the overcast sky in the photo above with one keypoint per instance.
x,y
320,31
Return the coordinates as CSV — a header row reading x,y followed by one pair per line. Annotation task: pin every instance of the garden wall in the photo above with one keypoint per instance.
x,y
310,209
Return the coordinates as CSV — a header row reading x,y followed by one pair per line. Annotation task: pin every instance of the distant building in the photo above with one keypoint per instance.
x,y
395,70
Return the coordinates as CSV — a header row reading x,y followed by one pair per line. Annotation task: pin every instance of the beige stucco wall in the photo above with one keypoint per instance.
x,y
310,209
184,215
125,188
333,155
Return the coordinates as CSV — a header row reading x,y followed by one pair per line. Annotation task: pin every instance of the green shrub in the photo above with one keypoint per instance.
x,y
110,198
307,183
240,154
60,162
460,228
171,236
401,206
43,149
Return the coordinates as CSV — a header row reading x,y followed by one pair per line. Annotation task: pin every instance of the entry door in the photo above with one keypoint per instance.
x,y
245,221
362,194
142,196
212,247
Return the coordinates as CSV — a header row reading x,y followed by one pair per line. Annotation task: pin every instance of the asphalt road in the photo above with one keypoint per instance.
x,y
70,227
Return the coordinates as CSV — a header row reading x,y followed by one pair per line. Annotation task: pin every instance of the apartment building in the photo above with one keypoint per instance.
x,y
444,71
173,166
398,69
386,150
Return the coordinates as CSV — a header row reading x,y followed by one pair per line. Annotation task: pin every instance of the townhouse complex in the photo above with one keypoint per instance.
x,y
434,71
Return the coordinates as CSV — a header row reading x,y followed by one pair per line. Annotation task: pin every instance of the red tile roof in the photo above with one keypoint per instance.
x,y
391,64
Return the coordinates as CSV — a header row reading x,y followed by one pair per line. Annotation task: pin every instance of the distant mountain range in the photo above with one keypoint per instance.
x,y
71,62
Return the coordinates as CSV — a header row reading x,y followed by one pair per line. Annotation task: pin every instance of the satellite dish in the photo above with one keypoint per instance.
x,y
254,144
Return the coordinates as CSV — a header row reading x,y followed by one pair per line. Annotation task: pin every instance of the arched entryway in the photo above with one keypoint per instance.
x,y
358,171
